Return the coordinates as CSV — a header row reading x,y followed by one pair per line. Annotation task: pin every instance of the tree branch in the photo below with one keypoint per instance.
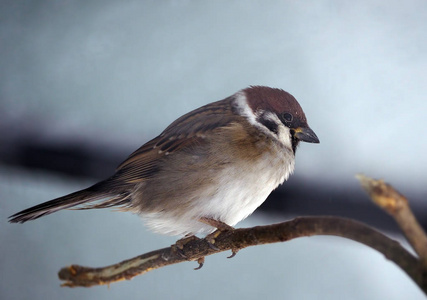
x,y
241,238
195,250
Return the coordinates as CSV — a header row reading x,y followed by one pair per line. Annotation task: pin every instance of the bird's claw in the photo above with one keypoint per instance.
x,y
201,262
211,244
233,253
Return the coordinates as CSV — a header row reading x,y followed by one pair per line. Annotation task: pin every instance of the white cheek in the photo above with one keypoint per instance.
x,y
284,136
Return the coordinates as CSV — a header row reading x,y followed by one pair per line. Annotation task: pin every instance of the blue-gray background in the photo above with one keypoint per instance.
x,y
113,74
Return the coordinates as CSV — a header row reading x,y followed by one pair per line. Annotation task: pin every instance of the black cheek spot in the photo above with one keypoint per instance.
x,y
272,126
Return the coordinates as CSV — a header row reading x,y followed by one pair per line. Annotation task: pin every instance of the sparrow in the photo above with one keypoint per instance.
x,y
218,162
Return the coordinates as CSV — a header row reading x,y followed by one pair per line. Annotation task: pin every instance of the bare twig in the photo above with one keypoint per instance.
x,y
389,199
241,238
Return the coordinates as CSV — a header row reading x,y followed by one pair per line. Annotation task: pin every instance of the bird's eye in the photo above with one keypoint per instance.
x,y
287,117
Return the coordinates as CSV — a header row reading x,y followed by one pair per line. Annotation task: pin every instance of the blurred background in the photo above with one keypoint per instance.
x,y
85,83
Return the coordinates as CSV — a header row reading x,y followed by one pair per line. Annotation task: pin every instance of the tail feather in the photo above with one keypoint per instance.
x,y
91,194
121,200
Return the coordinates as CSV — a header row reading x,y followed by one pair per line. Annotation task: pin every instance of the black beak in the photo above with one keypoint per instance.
x,y
306,135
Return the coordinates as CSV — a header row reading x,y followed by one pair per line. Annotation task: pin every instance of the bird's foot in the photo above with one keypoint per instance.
x,y
180,244
221,227
179,247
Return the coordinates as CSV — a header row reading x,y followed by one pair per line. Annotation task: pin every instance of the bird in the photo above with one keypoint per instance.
x,y
214,165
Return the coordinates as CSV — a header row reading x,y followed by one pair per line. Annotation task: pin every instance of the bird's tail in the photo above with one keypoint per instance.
x,y
96,196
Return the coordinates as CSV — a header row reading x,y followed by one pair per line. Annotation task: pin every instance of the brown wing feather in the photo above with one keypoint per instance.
x,y
186,131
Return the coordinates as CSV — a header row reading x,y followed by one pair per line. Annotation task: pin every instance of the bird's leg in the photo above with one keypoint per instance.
x,y
221,227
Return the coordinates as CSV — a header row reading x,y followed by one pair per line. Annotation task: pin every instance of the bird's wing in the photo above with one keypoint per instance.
x,y
187,131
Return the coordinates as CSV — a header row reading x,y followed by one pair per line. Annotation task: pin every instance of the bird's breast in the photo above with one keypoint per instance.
x,y
243,188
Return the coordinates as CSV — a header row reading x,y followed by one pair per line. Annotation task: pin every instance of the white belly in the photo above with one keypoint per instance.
x,y
234,195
